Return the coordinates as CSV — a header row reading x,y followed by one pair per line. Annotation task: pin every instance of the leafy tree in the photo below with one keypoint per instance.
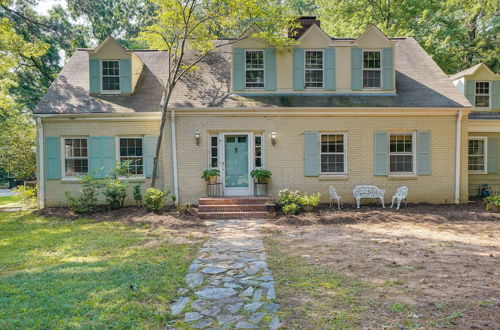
x,y
192,26
302,7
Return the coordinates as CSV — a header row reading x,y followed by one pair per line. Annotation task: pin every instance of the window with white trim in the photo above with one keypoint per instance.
x,y
258,154
131,150
332,154
254,68
214,151
110,75
76,161
372,72
401,153
313,74
477,154
482,95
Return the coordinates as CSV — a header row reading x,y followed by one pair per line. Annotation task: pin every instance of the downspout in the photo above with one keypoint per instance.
x,y
41,164
174,155
458,156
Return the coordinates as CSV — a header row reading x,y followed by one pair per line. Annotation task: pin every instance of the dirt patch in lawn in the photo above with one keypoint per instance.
x,y
425,266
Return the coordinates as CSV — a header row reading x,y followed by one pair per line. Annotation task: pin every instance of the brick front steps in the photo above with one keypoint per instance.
x,y
233,207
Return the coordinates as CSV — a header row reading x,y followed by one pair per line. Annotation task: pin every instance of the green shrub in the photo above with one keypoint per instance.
x,y
286,197
291,209
185,209
155,199
87,201
492,201
137,194
310,200
28,194
115,192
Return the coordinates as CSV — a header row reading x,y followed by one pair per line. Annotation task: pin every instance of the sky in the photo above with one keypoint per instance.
x,y
44,5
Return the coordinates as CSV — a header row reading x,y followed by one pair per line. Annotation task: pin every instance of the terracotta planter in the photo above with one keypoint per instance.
x,y
309,208
212,179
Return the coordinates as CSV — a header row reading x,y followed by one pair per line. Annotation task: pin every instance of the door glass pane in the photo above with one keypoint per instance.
x,y
236,163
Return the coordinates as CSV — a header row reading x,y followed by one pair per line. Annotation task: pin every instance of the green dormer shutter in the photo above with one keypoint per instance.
x,y
356,62
495,94
388,69
238,69
94,76
469,91
298,69
270,69
125,75
329,69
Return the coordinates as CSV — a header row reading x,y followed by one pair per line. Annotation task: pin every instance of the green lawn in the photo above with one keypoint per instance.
x,y
10,199
58,273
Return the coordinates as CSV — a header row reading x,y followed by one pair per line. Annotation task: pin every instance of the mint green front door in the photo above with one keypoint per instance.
x,y
236,164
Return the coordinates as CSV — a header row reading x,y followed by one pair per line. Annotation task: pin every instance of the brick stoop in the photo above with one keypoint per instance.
x,y
246,207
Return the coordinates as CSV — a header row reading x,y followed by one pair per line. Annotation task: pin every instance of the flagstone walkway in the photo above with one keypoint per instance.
x,y
230,284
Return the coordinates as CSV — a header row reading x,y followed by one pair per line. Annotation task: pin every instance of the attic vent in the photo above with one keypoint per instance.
x,y
305,22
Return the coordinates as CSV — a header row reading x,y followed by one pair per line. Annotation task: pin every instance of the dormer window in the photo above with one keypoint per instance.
x,y
254,69
110,76
371,69
313,69
482,96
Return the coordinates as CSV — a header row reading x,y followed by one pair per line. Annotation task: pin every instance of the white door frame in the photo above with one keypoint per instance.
x,y
251,150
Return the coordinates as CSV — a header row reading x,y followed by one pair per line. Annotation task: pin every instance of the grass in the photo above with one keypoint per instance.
x,y
10,199
58,273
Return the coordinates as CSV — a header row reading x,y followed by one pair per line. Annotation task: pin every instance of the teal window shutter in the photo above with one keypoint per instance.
x,y
495,94
94,76
470,86
311,143
270,69
52,158
329,69
149,151
298,69
356,74
101,154
492,155
381,153
238,69
387,69
424,166
125,75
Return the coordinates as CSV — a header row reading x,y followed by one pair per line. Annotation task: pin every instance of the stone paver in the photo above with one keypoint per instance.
x,y
231,284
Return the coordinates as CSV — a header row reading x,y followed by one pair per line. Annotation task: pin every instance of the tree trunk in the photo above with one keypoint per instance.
x,y
160,137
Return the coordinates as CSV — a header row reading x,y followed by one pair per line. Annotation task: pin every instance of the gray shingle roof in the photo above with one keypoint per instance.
x,y
465,72
419,83
484,115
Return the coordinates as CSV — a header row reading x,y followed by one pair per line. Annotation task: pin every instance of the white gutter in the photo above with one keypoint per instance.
x,y
174,156
458,156
41,164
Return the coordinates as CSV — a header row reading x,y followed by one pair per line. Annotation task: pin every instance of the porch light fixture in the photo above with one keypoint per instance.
x,y
273,137
197,137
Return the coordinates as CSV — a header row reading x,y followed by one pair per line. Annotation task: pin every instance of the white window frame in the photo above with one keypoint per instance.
x,y
371,69
253,69
322,68
210,136
104,91
119,156
413,153
485,139
333,153
489,93
63,155
262,159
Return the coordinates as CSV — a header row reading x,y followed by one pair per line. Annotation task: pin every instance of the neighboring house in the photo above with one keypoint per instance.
x,y
481,86
328,111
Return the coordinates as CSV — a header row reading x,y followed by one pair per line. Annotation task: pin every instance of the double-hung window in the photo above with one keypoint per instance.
x,y
254,68
110,75
372,69
258,154
482,95
131,151
401,153
313,69
332,156
477,154
76,161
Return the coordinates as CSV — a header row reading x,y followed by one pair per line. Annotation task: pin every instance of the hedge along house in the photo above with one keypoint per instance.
x,y
481,86
327,111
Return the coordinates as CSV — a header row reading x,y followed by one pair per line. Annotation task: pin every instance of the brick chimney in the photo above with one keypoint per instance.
x,y
306,22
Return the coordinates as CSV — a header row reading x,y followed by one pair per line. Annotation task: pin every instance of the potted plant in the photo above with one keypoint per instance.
x,y
211,175
492,203
261,175
310,202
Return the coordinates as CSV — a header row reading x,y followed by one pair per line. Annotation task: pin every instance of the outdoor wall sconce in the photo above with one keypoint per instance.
x,y
273,138
197,137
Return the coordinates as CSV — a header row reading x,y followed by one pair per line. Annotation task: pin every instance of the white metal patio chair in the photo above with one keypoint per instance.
x,y
401,195
335,197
